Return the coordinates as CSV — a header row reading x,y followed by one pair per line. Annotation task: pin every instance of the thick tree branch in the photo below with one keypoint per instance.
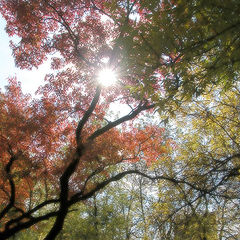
x,y
11,182
24,225
87,114
125,118
27,215
64,180
80,197
64,188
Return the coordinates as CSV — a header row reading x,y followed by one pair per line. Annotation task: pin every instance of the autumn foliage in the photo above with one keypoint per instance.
x,y
65,144
64,134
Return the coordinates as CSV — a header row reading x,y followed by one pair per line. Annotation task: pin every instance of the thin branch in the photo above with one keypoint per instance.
x,y
199,43
98,170
72,35
103,12
63,22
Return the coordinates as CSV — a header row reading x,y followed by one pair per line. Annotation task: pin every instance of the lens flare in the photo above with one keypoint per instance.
x,y
107,77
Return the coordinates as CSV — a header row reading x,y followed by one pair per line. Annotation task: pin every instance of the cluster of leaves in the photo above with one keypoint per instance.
x,y
191,43
61,148
207,154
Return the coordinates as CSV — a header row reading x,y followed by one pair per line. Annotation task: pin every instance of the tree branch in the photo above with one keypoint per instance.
x,y
199,43
21,226
87,114
11,182
72,35
125,118
80,197
28,214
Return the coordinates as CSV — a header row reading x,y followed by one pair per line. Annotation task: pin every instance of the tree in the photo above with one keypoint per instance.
x,y
207,155
72,102
102,217
62,148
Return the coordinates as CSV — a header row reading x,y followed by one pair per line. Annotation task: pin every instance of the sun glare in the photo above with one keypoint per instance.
x,y
107,77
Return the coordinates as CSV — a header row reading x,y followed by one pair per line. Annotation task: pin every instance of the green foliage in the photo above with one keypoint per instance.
x,y
196,227
206,155
96,219
194,44
207,32
210,138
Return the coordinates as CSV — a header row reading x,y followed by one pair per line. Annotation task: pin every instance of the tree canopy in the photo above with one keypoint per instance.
x,y
175,141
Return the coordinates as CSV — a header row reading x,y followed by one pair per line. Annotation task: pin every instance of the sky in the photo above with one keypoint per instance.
x,y
30,79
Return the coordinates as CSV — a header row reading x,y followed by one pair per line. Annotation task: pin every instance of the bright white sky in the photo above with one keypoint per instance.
x,y
30,79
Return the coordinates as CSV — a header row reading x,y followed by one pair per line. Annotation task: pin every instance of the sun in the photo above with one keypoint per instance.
x,y
107,77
